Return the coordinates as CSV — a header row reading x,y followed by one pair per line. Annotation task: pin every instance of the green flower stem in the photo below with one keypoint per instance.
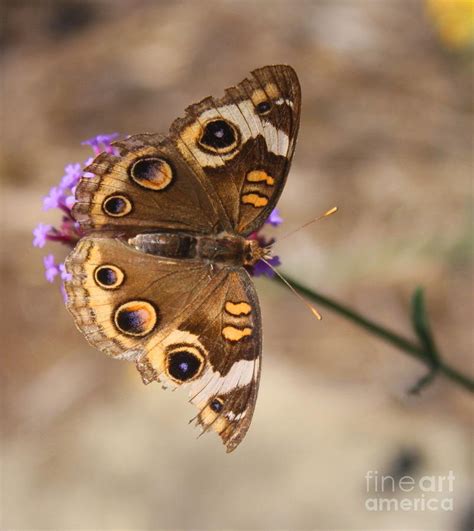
x,y
387,335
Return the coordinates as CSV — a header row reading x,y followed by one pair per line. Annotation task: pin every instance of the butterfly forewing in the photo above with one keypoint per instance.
x,y
144,185
244,143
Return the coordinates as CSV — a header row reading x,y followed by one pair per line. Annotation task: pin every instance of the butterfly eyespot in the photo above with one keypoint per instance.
x,y
216,405
136,318
184,363
219,136
108,276
117,206
264,107
152,173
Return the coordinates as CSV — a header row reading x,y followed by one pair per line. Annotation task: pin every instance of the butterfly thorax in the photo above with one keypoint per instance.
x,y
224,248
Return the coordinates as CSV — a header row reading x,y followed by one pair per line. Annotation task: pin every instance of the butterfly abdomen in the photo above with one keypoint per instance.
x,y
167,245
229,249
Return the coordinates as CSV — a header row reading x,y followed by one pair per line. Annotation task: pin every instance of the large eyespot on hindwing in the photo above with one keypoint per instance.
x,y
136,318
108,276
117,205
152,173
184,363
219,136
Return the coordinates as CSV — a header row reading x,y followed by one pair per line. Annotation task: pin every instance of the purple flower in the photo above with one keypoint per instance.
x,y
62,197
101,143
73,173
261,268
274,218
64,274
40,234
70,200
53,199
51,270
88,174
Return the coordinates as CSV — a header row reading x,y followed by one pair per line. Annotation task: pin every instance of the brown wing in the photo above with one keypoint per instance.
x,y
223,167
146,186
244,143
185,324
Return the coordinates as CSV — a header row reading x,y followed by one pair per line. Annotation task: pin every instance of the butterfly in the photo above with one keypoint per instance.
x,y
159,277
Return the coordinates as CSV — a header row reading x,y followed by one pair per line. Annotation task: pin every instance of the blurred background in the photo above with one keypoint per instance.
x,y
385,134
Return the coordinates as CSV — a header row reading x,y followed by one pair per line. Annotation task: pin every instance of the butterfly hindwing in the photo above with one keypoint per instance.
x,y
107,274
184,323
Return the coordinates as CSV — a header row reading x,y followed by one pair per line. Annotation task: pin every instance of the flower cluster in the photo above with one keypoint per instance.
x,y
62,197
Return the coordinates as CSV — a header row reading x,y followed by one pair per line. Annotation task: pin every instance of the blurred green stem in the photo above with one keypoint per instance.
x,y
420,352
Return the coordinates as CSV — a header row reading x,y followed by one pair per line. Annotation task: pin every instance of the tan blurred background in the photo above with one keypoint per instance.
x,y
385,134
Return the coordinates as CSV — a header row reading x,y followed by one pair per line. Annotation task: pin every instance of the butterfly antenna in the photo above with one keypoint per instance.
x,y
326,214
310,306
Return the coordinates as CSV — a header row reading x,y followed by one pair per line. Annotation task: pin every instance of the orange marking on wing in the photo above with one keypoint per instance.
x,y
254,199
231,333
257,176
238,308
